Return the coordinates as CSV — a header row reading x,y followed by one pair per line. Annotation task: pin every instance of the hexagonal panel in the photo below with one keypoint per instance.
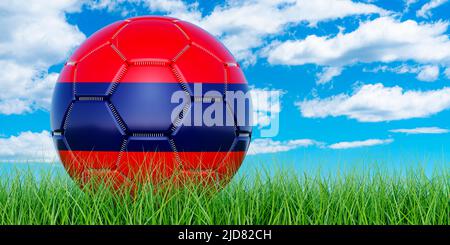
x,y
71,164
207,41
98,38
146,107
241,143
91,127
97,159
62,97
150,38
199,66
95,72
204,138
197,161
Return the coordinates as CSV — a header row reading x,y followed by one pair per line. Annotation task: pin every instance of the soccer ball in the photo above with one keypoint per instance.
x,y
113,113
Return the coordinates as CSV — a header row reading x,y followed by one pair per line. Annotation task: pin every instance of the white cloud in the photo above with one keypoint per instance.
x,y
428,73
34,37
447,72
421,130
381,40
327,74
28,146
243,25
267,145
358,144
376,103
425,11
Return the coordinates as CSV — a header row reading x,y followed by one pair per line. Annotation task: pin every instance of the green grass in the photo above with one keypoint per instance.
x,y
370,197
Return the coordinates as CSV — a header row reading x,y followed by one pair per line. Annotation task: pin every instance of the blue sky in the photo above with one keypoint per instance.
x,y
360,80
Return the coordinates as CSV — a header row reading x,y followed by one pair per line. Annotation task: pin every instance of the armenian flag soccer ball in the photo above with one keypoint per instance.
x,y
116,109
